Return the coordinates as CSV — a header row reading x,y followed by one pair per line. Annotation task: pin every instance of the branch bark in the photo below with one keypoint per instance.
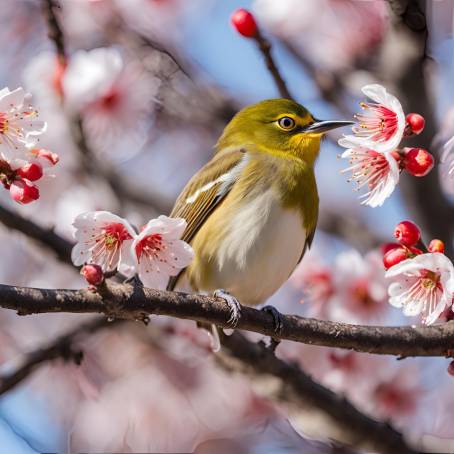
x,y
126,301
60,348
46,237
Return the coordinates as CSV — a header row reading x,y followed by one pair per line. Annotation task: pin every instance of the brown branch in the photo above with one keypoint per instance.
x,y
265,48
125,301
46,237
297,389
60,348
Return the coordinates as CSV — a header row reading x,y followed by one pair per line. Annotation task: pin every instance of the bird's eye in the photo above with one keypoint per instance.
x,y
286,123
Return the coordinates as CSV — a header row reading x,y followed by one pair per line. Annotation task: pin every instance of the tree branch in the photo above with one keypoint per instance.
x,y
298,389
46,237
125,301
265,48
59,348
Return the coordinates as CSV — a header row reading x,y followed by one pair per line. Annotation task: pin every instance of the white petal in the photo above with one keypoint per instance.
x,y
376,92
80,254
14,98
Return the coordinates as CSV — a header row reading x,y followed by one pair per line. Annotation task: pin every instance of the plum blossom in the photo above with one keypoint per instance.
x,y
158,252
117,121
103,239
331,33
89,75
115,99
378,172
382,123
360,288
19,125
396,393
423,285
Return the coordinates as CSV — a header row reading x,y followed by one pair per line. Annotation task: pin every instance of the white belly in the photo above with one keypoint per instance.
x,y
260,250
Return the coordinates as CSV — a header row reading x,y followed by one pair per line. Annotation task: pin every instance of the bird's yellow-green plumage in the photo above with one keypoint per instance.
x,y
252,210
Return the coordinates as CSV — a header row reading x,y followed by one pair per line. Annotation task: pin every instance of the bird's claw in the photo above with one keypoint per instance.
x,y
277,318
234,305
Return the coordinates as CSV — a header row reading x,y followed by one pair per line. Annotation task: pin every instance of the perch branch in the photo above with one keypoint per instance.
x,y
125,301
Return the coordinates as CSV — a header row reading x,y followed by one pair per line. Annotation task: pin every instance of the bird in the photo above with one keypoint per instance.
x,y
252,210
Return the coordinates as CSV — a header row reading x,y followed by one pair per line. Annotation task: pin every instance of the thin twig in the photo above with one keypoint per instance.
x,y
60,348
265,48
46,237
126,301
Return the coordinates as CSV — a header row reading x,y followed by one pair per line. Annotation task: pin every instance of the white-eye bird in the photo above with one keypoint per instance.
x,y
252,210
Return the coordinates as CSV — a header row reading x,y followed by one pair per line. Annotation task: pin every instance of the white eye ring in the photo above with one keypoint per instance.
x,y
286,123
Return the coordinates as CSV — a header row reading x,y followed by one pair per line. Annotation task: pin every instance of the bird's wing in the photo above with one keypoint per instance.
x,y
206,189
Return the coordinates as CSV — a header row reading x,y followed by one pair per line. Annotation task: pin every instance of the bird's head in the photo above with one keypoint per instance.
x,y
277,126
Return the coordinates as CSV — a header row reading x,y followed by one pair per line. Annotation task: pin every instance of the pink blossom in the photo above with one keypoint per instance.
x,y
331,33
378,172
159,253
423,285
118,119
382,122
102,238
359,288
19,125
396,393
89,75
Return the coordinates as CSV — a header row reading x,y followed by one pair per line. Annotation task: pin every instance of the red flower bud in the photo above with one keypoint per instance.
x,y
93,274
418,162
23,191
415,122
451,368
407,233
31,171
436,246
394,256
386,247
244,22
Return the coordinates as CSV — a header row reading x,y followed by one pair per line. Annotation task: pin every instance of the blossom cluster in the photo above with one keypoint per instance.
x,y
22,164
423,277
375,159
110,242
353,288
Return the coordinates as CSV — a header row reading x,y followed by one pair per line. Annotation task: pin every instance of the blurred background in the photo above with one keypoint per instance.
x,y
135,95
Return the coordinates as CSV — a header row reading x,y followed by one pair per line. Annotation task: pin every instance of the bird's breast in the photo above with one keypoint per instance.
x,y
258,244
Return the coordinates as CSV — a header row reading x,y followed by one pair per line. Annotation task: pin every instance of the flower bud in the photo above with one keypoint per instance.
x,y
417,161
386,247
451,368
23,191
93,274
244,23
407,233
31,171
436,246
415,122
394,256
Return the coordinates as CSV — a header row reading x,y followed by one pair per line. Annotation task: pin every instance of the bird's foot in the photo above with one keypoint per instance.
x,y
278,326
234,305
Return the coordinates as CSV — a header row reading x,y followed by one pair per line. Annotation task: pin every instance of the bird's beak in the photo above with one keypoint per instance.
x,y
321,126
